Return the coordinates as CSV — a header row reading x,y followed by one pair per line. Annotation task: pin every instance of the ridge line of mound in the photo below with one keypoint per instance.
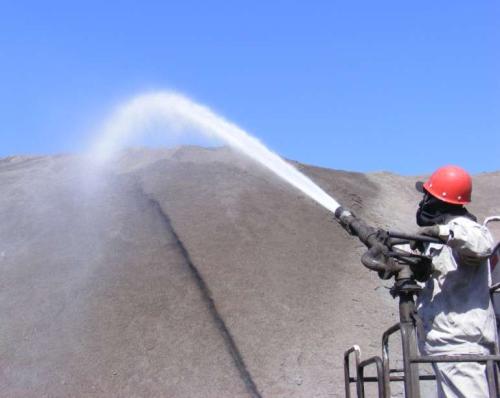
x,y
209,301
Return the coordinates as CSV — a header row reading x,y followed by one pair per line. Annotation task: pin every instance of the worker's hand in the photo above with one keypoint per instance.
x,y
436,231
417,245
423,270
429,231
441,232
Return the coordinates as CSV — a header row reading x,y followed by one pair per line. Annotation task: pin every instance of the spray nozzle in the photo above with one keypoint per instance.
x,y
345,218
382,255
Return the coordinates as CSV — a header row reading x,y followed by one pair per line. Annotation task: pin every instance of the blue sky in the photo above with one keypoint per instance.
x,y
360,85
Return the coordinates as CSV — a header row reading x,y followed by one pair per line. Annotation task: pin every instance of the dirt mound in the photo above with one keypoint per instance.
x,y
188,273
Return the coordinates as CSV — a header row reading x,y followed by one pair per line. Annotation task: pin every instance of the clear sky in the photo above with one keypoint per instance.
x,y
357,85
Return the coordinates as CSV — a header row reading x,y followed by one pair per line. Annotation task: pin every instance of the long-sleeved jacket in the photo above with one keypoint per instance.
x,y
455,304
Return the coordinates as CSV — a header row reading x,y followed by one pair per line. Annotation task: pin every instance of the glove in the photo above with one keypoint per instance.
x,y
417,245
423,270
430,231
441,232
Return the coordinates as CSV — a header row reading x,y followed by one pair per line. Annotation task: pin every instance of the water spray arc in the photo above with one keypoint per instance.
x,y
180,113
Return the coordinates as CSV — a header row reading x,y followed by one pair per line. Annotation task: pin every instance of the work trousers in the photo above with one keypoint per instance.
x,y
461,380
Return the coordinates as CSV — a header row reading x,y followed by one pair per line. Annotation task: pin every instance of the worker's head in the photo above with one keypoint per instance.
x,y
445,192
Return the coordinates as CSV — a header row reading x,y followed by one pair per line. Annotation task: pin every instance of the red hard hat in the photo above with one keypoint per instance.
x,y
450,184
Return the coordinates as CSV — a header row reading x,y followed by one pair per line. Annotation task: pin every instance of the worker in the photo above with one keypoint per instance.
x,y
454,305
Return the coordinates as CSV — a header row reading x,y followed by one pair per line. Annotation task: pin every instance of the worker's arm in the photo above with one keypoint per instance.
x,y
470,241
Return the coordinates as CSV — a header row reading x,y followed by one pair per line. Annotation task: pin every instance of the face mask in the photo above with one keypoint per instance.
x,y
429,211
432,211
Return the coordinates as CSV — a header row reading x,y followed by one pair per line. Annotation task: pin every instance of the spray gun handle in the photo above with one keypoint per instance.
x,y
381,256
414,237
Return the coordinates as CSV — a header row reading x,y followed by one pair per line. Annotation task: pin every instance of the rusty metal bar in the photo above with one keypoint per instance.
x,y
347,377
409,345
380,376
490,376
385,355
455,358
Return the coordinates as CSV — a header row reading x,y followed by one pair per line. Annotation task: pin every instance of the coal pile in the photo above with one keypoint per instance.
x,y
189,272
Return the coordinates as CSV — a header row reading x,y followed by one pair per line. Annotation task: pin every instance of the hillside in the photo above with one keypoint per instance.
x,y
189,272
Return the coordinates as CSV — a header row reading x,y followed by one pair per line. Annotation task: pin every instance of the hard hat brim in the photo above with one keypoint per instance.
x,y
419,186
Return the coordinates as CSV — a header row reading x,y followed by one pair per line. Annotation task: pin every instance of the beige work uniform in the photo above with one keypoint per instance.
x,y
455,307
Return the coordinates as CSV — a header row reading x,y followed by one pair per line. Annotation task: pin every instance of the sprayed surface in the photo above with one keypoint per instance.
x,y
209,301
99,299
180,113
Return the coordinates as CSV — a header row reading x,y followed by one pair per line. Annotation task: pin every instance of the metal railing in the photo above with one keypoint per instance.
x,y
385,374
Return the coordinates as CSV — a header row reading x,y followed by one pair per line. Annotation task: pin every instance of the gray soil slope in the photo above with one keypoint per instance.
x,y
188,273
